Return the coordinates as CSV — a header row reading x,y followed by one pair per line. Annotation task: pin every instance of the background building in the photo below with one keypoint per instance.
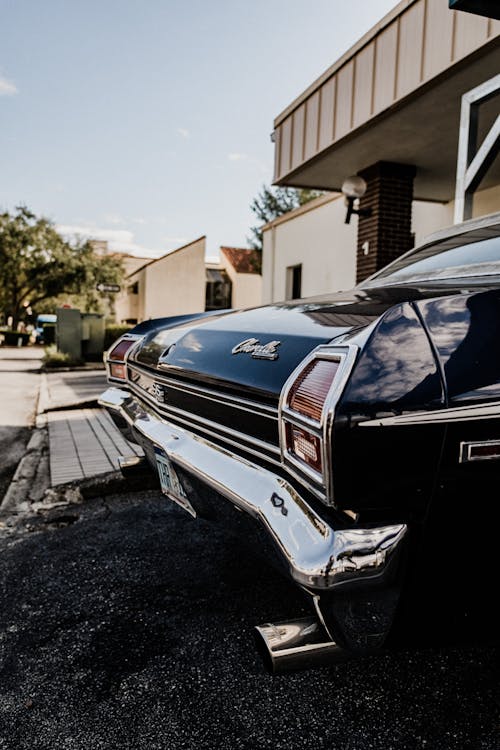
x,y
183,282
388,110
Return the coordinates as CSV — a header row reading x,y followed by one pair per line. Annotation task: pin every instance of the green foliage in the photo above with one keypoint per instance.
x,y
52,359
273,202
113,332
39,269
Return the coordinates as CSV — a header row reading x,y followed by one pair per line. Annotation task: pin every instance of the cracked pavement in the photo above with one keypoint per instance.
x,y
127,624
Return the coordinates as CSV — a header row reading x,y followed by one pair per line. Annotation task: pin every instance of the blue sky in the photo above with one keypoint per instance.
x,y
147,122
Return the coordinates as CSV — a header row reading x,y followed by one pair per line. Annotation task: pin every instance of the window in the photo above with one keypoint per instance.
x,y
294,282
218,290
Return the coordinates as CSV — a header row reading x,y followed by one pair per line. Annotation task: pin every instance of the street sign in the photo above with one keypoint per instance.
x,y
108,287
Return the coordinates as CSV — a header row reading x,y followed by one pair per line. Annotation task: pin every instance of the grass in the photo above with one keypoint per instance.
x,y
53,359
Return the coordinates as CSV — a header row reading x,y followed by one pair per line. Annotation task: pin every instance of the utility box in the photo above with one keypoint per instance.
x,y
69,331
92,336
80,335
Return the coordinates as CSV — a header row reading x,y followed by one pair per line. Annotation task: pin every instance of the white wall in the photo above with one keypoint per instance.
x,y
316,236
429,217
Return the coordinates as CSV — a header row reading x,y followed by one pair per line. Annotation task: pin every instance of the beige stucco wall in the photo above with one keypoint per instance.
x,y
175,284
246,287
125,303
172,285
317,237
486,201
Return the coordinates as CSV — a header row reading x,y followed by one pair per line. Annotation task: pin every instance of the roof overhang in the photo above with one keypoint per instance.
x,y
419,124
489,8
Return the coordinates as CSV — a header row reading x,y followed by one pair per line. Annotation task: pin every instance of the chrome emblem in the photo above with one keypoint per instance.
x,y
256,349
158,392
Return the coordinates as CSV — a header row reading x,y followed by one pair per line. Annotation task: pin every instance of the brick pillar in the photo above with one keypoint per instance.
x,y
385,234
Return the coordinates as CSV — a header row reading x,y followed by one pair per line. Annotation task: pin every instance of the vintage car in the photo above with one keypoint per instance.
x,y
354,438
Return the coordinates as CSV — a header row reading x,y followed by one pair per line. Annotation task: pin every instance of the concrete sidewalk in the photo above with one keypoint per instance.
x,y
67,389
83,442
75,440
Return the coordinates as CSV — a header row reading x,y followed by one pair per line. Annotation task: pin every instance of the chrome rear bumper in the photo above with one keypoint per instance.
x,y
318,557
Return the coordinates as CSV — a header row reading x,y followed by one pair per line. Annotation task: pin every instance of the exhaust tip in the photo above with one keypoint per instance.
x,y
296,644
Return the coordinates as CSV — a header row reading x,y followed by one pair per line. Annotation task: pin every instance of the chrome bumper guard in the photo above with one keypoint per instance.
x,y
319,557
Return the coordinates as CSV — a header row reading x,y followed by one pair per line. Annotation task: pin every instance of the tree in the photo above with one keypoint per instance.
x,y
37,265
272,202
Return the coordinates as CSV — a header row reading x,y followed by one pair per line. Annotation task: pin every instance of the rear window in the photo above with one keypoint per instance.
x,y
442,262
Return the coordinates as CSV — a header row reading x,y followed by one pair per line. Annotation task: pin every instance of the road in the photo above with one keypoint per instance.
x,y
19,385
126,624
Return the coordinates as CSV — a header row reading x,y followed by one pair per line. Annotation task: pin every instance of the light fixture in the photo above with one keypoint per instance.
x,y
354,188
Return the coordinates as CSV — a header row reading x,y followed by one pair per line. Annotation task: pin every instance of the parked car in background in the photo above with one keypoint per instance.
x,y
354,438
43,323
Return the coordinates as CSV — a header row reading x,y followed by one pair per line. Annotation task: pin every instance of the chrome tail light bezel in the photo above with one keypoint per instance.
x,y
320,484
108,360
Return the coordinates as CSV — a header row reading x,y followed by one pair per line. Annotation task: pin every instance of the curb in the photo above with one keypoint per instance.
x,y
79,368
91,404
15,499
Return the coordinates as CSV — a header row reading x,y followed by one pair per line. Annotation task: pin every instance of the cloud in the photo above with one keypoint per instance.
x,y
184,132
7,88
238,156
115,219
120,240
175,241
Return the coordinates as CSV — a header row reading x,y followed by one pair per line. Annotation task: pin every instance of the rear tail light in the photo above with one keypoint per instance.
x,y
116,356
308,394
305,445
119,351
307,409
118,371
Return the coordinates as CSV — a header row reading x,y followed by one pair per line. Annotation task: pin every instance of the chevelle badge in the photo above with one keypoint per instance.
x,y
256,349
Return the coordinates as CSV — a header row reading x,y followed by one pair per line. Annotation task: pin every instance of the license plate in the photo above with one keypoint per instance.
x,y
170,483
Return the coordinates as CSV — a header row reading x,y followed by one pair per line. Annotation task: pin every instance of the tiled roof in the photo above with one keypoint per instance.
x,y
242,259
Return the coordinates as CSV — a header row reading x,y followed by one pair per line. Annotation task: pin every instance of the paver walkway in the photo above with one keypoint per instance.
x,y
84,443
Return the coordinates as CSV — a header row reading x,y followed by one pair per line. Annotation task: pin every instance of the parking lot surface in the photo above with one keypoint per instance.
x,y
124,623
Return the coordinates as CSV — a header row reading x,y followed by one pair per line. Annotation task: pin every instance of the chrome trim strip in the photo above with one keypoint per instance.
x,y
317,556
469,413
212,395
200,422
300,476
466,451
346,356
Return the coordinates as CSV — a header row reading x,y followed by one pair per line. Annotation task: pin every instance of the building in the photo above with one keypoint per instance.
x,y
388,110
183,282
241,266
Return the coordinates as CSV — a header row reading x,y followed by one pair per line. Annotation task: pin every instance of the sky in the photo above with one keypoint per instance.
x,y
148,122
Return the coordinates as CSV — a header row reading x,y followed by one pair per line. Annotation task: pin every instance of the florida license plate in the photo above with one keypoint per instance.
x,y
170,483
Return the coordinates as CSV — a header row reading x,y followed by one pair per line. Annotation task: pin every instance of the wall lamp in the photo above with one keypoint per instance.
x,y
354,188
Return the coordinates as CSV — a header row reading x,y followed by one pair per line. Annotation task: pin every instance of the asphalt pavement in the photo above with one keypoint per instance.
x,y
124,624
